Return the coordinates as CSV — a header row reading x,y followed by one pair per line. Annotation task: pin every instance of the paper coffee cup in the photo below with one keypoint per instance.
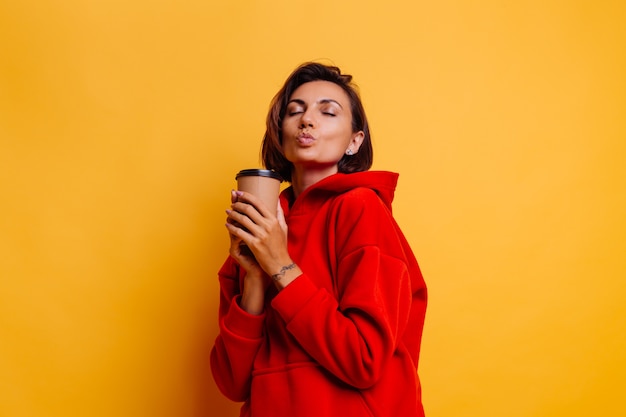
x,y
262,183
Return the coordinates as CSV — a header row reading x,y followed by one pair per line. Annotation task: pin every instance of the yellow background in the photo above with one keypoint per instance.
x,y
122,124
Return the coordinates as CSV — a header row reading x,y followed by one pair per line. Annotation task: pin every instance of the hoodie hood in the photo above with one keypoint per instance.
x,y
382,182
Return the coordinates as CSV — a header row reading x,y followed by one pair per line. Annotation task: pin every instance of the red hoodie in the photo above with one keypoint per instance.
x,y
343,338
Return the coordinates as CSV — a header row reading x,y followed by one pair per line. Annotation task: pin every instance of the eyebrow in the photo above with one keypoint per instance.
x,y
322,101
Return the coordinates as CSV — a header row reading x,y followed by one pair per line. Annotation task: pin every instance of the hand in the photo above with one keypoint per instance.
x,y
238,249
255,281
265,235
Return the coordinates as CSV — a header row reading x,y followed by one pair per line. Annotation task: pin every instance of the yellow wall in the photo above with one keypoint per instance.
x,y
122,124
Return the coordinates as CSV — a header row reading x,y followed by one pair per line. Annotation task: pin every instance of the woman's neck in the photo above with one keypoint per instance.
x,y
303,178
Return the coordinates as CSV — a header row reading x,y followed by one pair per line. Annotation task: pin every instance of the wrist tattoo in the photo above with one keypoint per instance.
x,y
283,270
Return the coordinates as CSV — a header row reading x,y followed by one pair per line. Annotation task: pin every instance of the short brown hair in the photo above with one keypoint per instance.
x,y
272,152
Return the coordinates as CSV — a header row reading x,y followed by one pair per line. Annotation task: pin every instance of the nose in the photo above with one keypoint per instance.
x,y
306,120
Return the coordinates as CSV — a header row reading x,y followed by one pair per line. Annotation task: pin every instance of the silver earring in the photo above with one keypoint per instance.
x,y
349,152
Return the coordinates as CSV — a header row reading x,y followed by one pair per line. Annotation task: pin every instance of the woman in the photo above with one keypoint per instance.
x,y
321,306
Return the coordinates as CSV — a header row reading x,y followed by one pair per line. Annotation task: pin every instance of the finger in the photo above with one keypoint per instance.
x,y
254,201
236,224
237,234
242,221
248,211
240,238
280,216
234,239
243,256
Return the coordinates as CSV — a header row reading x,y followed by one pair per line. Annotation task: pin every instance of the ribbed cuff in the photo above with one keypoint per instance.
x,y
293,297
242,323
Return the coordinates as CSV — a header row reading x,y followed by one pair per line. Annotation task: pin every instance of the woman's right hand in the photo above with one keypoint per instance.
x,y
255,282
239,250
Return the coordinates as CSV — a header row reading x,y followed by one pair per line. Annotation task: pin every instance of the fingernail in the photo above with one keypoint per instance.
x,y
239,193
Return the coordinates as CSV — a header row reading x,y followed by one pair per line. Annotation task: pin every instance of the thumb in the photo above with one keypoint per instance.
x,y
280,216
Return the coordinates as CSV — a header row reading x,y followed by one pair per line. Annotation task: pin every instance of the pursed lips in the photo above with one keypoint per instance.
x,y
305,139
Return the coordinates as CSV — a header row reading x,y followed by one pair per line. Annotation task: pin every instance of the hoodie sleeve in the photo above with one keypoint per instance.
x,y
355,333
240,336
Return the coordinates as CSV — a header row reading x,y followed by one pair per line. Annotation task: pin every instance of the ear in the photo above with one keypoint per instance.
x,y
355,142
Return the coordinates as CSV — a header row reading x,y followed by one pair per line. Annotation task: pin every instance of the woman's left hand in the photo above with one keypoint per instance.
x,y
264,233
